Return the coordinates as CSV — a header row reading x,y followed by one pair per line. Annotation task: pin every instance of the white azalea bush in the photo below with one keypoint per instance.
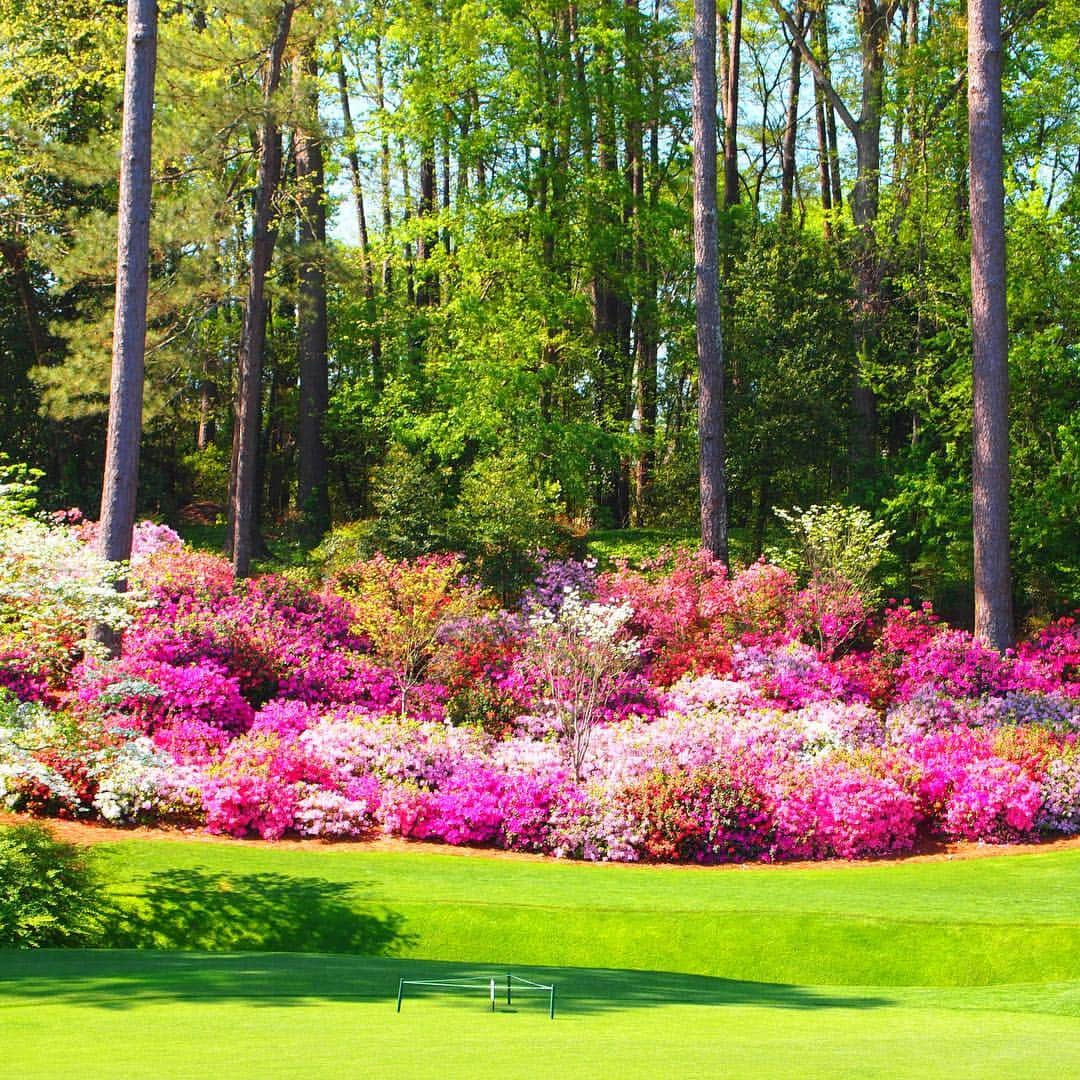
x,y
53,588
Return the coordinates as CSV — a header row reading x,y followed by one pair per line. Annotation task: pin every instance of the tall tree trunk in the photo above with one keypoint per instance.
x,y
820,30
385,197
646,330
445,231
611,311
273,464
787,155
312,492
873,30
207,394
406,217
367,273
824,186
731,108
253,336
121,480
713,477
990,383
427,283
872,24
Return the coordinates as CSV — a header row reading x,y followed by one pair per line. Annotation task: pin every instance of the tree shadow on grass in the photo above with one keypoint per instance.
x,y
121,979
593,990
265,912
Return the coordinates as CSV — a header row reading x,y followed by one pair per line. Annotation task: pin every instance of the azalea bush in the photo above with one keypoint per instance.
x,y
670,713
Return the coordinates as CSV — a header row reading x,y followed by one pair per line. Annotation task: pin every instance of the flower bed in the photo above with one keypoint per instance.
x,y
675,714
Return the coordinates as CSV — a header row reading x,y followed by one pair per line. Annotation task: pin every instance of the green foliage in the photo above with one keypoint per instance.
x,y
409,497
513,320
503,515
839,545
49,892
207,474
344,545
638,546
791,363
18,491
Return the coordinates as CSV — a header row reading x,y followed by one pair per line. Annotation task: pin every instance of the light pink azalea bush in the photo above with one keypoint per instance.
x,y
732,722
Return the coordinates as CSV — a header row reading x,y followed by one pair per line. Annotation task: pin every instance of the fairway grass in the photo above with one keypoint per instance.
x,y
259,962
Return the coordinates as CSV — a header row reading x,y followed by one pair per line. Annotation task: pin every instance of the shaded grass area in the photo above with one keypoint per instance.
x,y
639,545
141,1014
284,546
271,962
968,923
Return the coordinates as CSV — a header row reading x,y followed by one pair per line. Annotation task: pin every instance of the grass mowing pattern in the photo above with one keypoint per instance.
x,y
967,968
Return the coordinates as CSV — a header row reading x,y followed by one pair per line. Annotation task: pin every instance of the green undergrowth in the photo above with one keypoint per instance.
x,y
639,545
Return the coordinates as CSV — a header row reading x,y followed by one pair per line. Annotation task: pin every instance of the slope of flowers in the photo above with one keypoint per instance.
x,y
674,713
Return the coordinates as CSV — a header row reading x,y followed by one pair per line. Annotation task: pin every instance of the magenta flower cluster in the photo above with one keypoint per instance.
x,y
756,722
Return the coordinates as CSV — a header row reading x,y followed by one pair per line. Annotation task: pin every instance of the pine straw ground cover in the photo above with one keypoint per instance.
x,y
239,961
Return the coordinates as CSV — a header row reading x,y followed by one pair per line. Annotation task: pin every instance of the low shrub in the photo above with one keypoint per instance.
x,y
49,893
702,815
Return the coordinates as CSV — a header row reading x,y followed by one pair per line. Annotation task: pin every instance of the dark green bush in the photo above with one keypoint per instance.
x,y
49,892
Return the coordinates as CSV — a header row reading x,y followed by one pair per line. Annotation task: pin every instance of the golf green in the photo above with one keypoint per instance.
x,y
242,961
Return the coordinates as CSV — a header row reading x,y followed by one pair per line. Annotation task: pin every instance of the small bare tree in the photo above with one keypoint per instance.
x,y
579,654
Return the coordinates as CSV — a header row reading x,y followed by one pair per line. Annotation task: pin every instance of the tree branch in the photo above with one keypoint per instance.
x,y
820,77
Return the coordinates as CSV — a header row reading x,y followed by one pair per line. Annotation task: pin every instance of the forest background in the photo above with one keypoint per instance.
x,y
480,318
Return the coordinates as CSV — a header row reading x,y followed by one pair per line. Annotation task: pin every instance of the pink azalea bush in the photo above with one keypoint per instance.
x,y
831,809
740,716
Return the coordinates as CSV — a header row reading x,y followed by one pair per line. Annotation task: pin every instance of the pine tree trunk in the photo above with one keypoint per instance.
x,y
713,478
367,272
990,383
121,479
253,336
312,495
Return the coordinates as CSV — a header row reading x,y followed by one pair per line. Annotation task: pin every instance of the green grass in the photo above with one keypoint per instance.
x,y
958,969
285,548
638,545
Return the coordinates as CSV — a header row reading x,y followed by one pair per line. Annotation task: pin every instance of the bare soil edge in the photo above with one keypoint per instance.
x,y
89,833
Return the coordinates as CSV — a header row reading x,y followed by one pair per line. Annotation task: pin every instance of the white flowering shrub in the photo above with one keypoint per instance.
x,y
53,588
50,761
580,654
129,779
27,729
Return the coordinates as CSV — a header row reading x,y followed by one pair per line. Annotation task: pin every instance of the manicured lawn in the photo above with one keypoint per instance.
x,y
957,969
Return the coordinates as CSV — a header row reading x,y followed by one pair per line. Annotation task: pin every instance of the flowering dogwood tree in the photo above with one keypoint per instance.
x,y
579,654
